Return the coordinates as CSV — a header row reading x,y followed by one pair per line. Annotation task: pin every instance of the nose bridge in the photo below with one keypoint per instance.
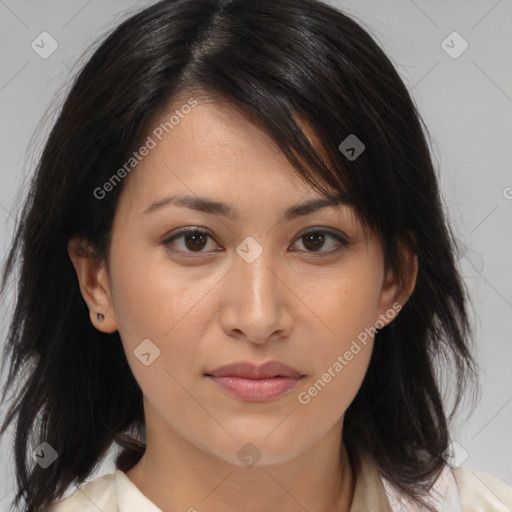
x,y
253,268
256,300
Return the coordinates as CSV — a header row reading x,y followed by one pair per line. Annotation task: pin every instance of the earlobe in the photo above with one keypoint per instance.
x,y
93,284
104,322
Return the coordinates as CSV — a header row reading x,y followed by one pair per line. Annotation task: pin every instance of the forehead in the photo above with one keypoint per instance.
x,y
211,146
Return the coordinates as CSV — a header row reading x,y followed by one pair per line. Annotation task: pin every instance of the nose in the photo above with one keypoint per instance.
x,y
257,300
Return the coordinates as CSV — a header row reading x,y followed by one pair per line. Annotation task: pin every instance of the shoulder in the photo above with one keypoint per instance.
x,y
482,492
99,494
458,490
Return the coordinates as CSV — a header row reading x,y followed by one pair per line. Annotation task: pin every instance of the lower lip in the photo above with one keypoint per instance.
x,y
256,390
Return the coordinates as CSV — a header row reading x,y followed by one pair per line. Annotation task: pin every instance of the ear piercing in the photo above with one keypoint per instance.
x,y
100,317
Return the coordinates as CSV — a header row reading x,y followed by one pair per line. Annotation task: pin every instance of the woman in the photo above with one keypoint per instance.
x,y
235,266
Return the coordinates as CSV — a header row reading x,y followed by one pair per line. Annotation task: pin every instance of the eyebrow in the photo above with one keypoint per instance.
x,y
207,205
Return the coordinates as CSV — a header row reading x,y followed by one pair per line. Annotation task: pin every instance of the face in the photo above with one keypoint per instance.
x,y
255,285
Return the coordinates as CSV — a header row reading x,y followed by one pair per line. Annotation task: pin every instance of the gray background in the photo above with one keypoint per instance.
x,y
466,103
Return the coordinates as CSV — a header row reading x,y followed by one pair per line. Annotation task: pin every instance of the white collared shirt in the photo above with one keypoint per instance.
x,y
456,490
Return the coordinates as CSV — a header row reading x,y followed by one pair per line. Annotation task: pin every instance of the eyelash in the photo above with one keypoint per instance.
x,y
180,234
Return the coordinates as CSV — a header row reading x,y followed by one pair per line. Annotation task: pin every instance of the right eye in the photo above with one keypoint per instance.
x,y
191,241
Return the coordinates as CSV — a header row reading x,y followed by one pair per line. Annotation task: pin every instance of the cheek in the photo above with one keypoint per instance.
x,y
343,345
344,304
339,359
152,295
153,300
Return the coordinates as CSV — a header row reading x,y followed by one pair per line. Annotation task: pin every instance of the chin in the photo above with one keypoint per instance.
x,y
259,450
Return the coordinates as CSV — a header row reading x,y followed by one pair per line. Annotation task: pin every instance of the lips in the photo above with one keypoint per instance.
x,y
255,383
252,371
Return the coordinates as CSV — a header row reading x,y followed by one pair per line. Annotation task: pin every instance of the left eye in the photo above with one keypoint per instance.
x,y
195,240
315,240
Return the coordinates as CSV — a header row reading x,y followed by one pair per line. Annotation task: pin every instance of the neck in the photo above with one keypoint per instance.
x,y
176,475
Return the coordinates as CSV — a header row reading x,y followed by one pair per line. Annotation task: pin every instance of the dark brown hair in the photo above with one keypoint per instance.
x,y
275,61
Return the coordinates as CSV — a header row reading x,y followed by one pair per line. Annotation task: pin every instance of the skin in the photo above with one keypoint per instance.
x,y
213,308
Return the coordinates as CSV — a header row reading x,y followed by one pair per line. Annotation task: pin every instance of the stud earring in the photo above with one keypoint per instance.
x,y
100,317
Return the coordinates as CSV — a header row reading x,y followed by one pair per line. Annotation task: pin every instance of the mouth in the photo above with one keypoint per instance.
x,y
256,390
254,383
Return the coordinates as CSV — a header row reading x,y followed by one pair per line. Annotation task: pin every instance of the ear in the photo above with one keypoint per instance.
x,y
94,286
396,291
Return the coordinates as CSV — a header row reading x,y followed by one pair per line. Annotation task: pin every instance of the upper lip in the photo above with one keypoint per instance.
x,y
254,371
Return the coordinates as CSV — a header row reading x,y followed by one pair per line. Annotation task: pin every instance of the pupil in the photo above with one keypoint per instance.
x,y
198,240
318,236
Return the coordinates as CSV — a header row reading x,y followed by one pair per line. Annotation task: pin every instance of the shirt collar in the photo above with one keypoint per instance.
x,y
130,497
369,491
